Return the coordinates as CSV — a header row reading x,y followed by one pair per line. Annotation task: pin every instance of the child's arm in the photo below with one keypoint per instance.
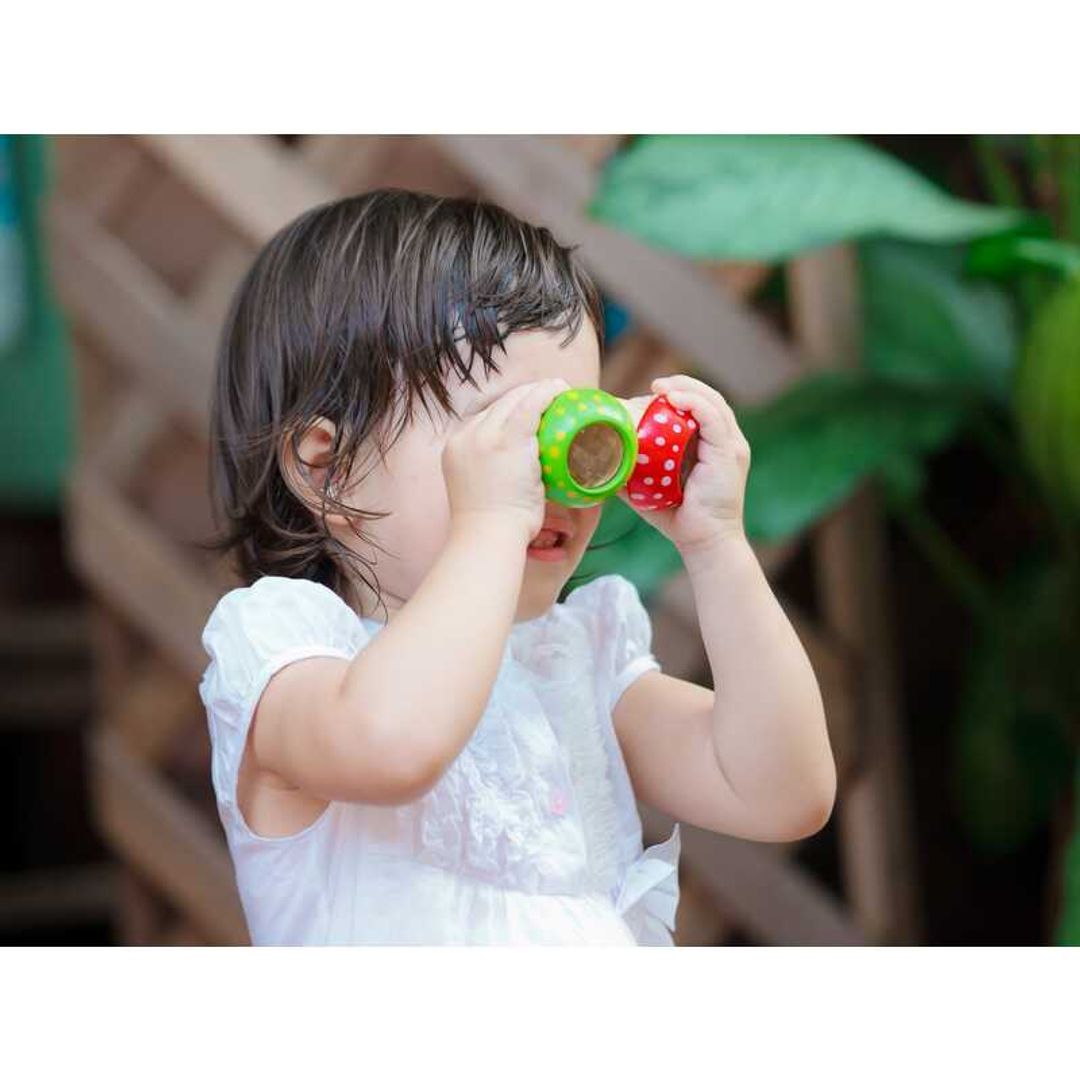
x,y
753,758
383,727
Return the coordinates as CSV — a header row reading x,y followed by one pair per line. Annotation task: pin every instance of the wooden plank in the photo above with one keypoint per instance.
x,y
172,491
146,329
677,644
57,701
68,895
632,363
595,149
546,182
182,931
139,914
54,632
824,307
348,162
126,559
155,706
171,230
741,279
256,184
166,839
874,818
698,921
213,292
96,384
775,901
116,648
101,173
137,421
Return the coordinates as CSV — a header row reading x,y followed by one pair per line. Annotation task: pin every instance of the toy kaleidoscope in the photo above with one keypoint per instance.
x,y
590,448
587,446
667,442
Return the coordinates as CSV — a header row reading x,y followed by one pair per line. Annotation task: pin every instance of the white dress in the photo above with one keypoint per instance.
x,y
531,836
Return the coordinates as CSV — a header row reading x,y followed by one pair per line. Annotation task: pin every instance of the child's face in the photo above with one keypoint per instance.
x,y
410,482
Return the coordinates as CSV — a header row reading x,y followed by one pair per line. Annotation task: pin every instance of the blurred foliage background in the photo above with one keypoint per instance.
x,y
35,391
969,260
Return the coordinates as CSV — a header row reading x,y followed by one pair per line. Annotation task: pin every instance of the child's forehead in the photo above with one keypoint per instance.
x,y
531,357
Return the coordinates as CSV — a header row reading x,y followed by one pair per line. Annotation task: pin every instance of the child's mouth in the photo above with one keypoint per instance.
x,y
548,545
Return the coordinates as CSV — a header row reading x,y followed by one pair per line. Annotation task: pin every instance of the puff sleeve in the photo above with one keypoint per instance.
x,y
621,633
251,634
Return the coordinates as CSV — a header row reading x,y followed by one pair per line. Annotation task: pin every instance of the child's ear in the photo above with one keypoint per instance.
x,y
305,469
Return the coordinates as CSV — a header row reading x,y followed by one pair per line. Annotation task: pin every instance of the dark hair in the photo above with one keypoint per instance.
x,y
353,312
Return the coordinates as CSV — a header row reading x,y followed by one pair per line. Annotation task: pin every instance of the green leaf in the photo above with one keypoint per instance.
x,y
813,445
1004,256
1048,396
1014,749
903,477
926,324
767,197
1013,762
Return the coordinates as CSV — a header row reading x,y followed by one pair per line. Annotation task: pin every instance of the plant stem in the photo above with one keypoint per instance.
x,y
1069,184
952,566
1000,446
1040,158
997,176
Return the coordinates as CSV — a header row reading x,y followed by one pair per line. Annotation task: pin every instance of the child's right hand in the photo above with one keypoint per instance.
x,y
491,460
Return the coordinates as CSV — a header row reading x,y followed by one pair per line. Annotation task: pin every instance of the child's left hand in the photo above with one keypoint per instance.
x,y
712,506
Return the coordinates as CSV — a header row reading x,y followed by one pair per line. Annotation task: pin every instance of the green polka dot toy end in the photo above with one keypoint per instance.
x,y
588,446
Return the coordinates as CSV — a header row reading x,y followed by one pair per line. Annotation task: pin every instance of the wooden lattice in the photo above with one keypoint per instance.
x,y
149,238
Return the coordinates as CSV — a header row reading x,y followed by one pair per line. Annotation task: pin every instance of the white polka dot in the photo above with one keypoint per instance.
x,y
675,448
661,417
638,495
666,480
669,464
676,428
648,479
643,459
658,496
691,424
660,440
681,412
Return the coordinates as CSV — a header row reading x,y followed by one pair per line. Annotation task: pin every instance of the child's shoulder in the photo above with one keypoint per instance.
x,y
274,593
619,629
253,626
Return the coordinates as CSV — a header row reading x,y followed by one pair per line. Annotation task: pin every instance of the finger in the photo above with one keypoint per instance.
x,y
678,383
527,410
498,413
495,411
715,418
686,382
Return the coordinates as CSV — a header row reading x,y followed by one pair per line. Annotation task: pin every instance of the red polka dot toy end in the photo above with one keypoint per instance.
x,y
667,438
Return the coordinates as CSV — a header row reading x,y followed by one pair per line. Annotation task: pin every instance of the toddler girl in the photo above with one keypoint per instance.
x,y
413,741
